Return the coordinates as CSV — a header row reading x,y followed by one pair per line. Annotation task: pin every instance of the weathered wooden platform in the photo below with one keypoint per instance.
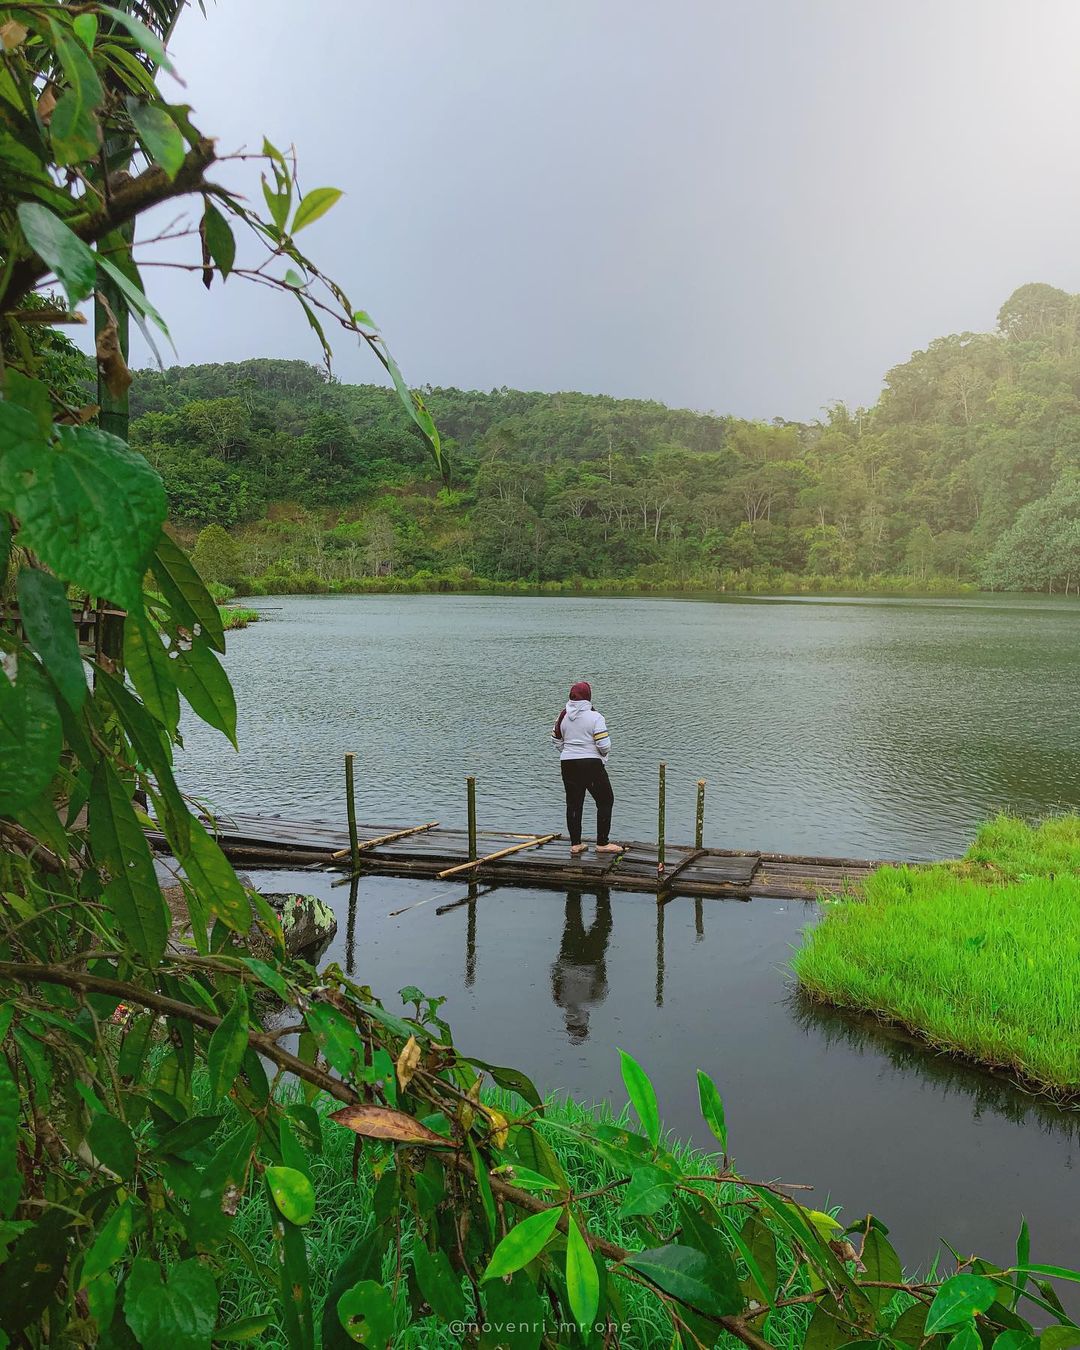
x,y
272,841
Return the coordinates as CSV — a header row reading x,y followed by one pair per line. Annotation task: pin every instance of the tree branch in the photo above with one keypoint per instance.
x,y
126,202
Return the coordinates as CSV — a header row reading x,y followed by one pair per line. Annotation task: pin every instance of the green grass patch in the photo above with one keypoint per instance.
x,y
235,616
980,957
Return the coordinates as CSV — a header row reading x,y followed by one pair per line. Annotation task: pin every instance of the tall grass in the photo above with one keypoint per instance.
x,y
344,1215
979,957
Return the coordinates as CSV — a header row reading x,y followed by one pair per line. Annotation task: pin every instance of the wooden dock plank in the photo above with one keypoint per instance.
x,y
253,840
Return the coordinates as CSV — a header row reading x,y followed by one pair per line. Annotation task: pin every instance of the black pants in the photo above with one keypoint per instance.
x,y
587,775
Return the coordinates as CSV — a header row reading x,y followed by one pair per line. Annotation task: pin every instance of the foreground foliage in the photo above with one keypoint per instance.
x,y
979,957
120,1186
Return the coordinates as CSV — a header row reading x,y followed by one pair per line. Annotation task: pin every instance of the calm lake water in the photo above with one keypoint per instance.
x,y
862,728
871,728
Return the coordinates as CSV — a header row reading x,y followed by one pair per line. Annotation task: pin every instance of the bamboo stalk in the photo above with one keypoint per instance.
x,y
350,804
502,853
699,823
384,839
660,818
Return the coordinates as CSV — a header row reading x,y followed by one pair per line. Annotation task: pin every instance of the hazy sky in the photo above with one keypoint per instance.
x,y
750,206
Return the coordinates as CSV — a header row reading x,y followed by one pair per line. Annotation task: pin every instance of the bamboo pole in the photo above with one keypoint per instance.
x,y
660,818
470,785
350,804
386,838
502,853
699,823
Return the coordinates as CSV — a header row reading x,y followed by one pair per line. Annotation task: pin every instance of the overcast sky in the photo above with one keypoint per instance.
x,y
749,206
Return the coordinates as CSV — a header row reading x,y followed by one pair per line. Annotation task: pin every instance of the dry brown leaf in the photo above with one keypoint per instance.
x,y
46,104
407,1062
11,34
382,1122
111,361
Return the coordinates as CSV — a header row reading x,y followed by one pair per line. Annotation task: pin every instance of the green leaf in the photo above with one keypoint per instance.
x,y
414,406
113,1144
1056,1338
336,1037
133,893
228,1046
110,1244
524,1178
642,1096
882,1264
967,1338
133,294
33,1270
159,135
10,1177
366,1311
1026,1340
73,128
50,629
909,1326
218,236
150,43
511,1079
515,1317
179,1315
213,877
688,1275
314,204
267,975
293,1194
88,506
60,249
31,737
202,681
647,1192
958,1300
524,1242
582,1281
189,601
85,27
712,1107
152,753
189,1135
438,1283
148,668
1055,1272
483,1185
245,1328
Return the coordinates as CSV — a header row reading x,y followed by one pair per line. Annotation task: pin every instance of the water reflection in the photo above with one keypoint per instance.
x,y
579,972
989,1093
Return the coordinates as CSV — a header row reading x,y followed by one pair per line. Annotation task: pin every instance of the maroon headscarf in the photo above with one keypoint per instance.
x,y
580,689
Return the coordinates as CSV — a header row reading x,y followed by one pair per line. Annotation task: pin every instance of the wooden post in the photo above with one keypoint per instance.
x,y
660,818
470,784
350,804
699,826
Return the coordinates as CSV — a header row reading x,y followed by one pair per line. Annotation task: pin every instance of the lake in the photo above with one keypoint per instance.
x,y
875,728
870,728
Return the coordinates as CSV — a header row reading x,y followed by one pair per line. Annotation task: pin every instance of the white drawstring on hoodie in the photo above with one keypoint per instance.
x,y
584,732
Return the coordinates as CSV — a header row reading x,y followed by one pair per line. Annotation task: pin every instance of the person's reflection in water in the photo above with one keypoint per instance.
x,y
579,974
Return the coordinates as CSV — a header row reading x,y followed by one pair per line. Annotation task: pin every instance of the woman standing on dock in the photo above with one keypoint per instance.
x,y
582,739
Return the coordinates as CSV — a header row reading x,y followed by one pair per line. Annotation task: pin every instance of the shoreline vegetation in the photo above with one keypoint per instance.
x,y
977,958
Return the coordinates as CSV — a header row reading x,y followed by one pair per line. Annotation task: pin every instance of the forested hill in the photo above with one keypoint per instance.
x,y
966,469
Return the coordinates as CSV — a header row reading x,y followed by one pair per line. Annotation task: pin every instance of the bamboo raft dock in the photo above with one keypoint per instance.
x,y
502,859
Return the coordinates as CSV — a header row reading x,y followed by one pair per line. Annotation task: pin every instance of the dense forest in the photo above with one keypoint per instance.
x,y
965,471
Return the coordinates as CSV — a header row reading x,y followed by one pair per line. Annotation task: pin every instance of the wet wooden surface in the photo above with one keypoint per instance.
x,y
274,841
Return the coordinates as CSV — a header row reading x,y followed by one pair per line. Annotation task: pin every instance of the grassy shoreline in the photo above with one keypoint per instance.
x,y
979,958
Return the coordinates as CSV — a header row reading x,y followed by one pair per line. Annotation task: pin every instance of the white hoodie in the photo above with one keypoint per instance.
x,y
584,733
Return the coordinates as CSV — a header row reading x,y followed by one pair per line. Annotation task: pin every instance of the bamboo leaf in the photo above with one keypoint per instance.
x,y
149,671
202,681
213,877
188,599
159,135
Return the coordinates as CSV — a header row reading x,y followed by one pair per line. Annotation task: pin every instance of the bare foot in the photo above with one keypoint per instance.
x,y
609,848
578,848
